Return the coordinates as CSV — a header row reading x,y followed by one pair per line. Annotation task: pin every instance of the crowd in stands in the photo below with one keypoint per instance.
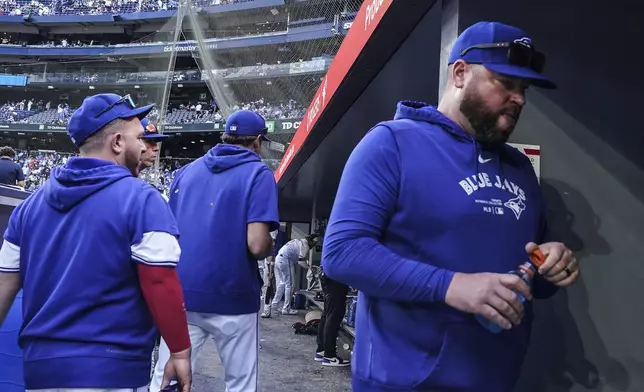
x,y
18,111
95,7
37,167
30,111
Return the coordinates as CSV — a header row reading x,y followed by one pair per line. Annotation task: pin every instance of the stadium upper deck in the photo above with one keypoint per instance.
x,y
265,55
237,24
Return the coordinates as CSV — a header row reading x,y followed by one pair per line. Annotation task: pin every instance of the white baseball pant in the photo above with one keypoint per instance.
x,y
284,281
237,341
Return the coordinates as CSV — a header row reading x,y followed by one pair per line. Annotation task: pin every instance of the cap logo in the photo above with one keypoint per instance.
x,y
233,128
151,128
525,41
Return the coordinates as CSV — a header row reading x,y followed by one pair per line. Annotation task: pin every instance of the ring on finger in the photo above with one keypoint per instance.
x,y
568,272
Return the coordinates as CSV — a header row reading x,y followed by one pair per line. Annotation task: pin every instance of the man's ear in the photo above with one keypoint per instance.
x,y
117,142
459,71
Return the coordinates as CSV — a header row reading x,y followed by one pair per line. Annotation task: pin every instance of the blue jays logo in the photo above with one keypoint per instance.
x,y
151,128
516,205
525,41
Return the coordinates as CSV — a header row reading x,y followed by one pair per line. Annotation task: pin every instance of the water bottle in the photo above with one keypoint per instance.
x,y
525,271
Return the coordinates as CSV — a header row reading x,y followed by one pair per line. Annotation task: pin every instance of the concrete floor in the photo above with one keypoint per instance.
x,y
286,363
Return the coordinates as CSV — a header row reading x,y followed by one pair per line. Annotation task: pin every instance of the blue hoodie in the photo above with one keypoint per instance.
x,y
419,200
11,377
85,321
214,199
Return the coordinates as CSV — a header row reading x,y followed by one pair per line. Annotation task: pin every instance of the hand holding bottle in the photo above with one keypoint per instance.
x,y
560,267
490,295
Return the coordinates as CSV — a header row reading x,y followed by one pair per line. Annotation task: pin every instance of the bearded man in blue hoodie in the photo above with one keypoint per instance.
x,y
94,250
226,206
432,211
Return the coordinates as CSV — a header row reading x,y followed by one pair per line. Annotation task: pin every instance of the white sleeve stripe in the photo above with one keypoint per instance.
x,y
159,263
10,270
9,257
157,248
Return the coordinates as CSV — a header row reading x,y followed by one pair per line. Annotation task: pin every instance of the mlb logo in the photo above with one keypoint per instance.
x,y
498,210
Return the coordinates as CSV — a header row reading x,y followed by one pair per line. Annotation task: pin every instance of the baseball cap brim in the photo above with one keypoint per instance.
x,y
265,137
155,136
141,112
537,79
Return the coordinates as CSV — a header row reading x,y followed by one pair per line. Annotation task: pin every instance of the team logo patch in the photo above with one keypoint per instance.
x,y
515,205
151,128
525,41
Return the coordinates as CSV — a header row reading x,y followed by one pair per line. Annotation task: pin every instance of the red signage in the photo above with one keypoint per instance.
x,y
365,23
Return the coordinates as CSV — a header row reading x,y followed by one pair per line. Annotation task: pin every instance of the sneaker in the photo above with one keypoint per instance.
x,y
267,312
319,356
335,362
289,312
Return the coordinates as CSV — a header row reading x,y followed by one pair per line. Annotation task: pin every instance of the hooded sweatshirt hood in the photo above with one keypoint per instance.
x,y
226,156
420,111
79,179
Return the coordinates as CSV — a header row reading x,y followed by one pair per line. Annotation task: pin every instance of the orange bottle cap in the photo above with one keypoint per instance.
x,y
537,257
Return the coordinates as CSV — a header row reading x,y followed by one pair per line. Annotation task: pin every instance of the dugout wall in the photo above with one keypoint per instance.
x,y
586,338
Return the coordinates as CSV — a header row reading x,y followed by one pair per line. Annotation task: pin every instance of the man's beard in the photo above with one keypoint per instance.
x,y
132,161
484,121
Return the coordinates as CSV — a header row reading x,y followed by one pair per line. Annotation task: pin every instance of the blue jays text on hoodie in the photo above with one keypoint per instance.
x,y
419,200
214,199
75,243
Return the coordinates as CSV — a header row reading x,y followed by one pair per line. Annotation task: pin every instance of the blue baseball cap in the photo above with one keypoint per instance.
x,y
98,110
246,123
150,131
504,49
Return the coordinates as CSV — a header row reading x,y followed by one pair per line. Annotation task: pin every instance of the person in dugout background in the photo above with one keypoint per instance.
x,y
267,272
335,307
433,209
294,252
94,250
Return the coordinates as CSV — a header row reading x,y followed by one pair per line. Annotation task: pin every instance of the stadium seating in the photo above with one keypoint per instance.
x,y
37,166
80,7
289,109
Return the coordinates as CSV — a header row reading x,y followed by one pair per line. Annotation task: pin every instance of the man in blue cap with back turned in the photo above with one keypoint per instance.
x,y
226,206
432,211
94,250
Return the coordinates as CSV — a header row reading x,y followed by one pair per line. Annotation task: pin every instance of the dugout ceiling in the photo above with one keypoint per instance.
x,y
587,338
